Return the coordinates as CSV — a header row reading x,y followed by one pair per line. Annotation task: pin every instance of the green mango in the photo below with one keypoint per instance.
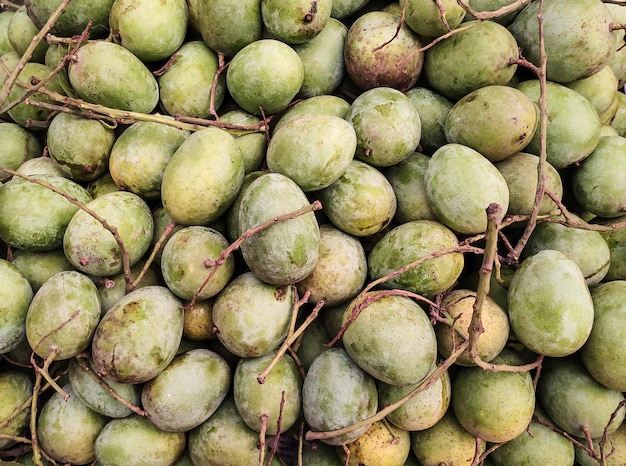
x,y
433,109
425,17
253,144
297,21
616,239
5,18
20,32
16,294
18,146
39,266
74,18
15,388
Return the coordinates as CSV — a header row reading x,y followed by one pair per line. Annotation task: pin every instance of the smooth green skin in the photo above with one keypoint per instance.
x,y
252,144
266,74
599,89
618,60
67,429
371,57
573,128
619,121
93,249
387,125
573,399
337,393
603,354
252,317
96,397
520,171
577,36
407,179
184,263
33,217
550,308
445,442
316,105
344,8
254,400
102,185
287,251
231,216
138,337
140,154
185,87
203,177
340,271
295,22
39,266
111,289
18,146
616,239
361,202
188,391
63,315
587,248
536,445
106,73
599,183
458,201
433,110
21,30
424,16
74,18
224,439
41,166
15,389
391,339
227,27
410,242
458,305
471,59
135,441
151,29
313,342
608,116
22,114
614,450
322,57
54,55
16,294
422,411
81,146
496,121
496,406
313,150
5,18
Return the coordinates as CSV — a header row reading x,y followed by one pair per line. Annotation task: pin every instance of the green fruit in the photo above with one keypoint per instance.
x,y
18,146
614,450
63,315
600,89
15,389
41,166
21,30
39,266
35,218
375,45
426,18
16,294
575,401
252,317
314,150
138,337
185,87
361,202
344,8
577,37
505,19
616,239
455,197
317,105
134,440
287,251
382,443
203,177
550,308
386,322
337,393
387,126
433,110
495,406
313,342
473,58
188,391
74,18
151,29
265,76
253,144
274,404
232,214
496,121
604,351
93,249
295,22
188,261
5,18
106,73
67,429
573,127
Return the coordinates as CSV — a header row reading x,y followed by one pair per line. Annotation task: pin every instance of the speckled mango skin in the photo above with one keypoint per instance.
x,y
16,294
382,443
424,16
297,21
550,307
15,389
74,18
139,336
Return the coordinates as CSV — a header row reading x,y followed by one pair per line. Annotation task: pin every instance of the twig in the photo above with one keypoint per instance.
x,y
155,250
442,15
279,422
398,29
262,443
216,79
492,14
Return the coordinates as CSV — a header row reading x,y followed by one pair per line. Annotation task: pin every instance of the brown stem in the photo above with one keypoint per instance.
x,y
590,451
442,15
492,14
398,29
10,5
216,78
262,442
157,246
279,423
170,61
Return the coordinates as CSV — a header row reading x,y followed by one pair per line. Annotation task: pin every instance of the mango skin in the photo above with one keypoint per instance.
x,y
138,337
549,304
382,443
295,22
19,145
16,294
424,16
15,389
